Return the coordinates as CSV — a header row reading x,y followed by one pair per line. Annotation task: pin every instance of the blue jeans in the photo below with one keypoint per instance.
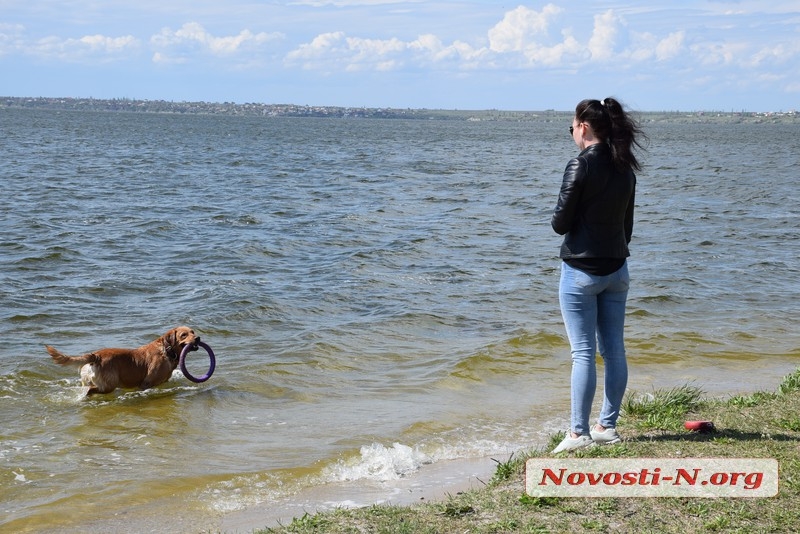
x,y
593,308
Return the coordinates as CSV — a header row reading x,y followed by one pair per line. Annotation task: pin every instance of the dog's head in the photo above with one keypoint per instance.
x,y
178,338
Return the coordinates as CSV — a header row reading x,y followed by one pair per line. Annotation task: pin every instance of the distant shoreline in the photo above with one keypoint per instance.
x,y
292,110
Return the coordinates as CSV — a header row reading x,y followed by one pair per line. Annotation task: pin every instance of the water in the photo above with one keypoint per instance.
x,y
380,295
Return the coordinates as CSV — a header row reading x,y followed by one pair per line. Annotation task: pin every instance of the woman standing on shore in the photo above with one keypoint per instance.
x,y
595,214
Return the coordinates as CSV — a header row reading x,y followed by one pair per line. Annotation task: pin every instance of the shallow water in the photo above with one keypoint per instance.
x,y
380,295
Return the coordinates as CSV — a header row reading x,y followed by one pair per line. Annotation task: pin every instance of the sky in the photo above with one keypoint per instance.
x,y
654,55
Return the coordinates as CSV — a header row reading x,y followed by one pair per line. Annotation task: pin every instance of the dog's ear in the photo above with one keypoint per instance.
x,y
171,337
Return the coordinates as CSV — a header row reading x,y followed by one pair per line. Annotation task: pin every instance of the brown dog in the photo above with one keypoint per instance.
x,y
148,366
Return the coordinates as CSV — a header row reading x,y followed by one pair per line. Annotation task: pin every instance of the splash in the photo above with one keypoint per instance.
x,y
377,462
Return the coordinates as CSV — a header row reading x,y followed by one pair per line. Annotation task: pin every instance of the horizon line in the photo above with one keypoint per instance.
x,y
65,99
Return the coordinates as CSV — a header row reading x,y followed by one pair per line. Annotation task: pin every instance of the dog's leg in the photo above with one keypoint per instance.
x,y
87,380
87,375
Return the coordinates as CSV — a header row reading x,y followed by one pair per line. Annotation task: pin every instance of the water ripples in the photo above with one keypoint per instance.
x,y
363,283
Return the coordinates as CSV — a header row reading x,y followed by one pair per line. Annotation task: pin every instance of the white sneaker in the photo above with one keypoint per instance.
x,y
570,444
609,436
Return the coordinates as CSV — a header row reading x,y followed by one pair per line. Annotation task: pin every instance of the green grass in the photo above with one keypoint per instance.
x,y
663,409
759,425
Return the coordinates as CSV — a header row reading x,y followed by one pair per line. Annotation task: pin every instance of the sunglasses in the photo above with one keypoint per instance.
x,y
571,129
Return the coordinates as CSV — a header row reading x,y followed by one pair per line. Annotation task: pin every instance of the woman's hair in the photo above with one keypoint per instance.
x,y
610,123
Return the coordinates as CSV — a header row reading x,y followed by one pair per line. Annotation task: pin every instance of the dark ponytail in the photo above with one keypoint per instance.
x,y
611,124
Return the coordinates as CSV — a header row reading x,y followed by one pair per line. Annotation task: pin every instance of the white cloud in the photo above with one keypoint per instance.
x,y
439,40
776,54
344,3
646,46
601,44
521,40
557,55
525,32
671,46
10,37
104,44
334,49
718,53
520,29
177,45
792,87
365,50
376,54
324,46
429,50
428,44
87,48
522,34
643,46
160,58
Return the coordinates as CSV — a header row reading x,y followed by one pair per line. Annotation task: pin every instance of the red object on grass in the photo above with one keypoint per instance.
x,y
699,426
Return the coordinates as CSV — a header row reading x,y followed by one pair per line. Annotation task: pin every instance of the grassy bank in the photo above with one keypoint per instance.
x,y
759,425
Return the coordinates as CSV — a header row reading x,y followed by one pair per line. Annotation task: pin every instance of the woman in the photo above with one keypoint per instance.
x,y
595,215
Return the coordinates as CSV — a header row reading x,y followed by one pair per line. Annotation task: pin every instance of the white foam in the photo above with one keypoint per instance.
x,y
379,472
241,492
374,463
67,393
377,462
429,482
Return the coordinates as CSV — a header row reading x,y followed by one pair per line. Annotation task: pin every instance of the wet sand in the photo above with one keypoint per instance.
x,y
435,482
431,483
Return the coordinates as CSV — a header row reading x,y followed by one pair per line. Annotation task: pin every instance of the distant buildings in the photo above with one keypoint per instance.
x,y
292,110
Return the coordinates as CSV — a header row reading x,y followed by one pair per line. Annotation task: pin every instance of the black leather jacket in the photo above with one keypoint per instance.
x,y
595,206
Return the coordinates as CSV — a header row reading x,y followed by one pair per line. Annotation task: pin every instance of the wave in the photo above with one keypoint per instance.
x,y
378,462
521,354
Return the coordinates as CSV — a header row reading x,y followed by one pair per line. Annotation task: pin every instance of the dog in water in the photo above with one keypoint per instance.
x,y
105,370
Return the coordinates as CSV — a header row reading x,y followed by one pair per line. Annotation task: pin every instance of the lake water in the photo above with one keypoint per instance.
x,y
381,296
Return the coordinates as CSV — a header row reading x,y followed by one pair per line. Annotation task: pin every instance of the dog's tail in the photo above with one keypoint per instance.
x,y
63,359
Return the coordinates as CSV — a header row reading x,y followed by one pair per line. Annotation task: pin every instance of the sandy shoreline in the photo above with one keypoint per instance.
x,y
436,481
432,482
